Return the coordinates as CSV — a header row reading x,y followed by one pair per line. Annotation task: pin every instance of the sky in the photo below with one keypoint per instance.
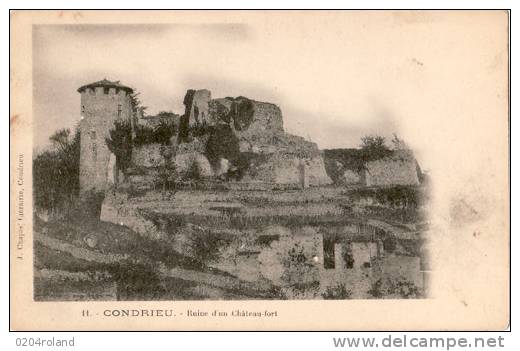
x,y
335,76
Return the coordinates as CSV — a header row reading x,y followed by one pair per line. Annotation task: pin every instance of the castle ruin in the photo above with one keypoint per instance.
x,y
264,150
102,103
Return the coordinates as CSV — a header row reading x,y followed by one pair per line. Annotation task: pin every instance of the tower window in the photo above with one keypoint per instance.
x,y
119,110
94,151
82,108
106,90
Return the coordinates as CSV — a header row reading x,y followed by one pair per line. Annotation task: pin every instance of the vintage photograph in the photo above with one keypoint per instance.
x,y
261,164
214,200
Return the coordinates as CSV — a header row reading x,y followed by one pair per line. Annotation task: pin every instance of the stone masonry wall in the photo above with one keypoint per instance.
x,y
399,169
197,106
99,111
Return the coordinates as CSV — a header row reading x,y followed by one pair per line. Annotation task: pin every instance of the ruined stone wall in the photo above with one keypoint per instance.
x,y
99,111
258,126
287,169
197,106
150,156
399,169
266,118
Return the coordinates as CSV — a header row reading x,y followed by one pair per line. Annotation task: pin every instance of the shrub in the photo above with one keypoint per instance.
x,y
390,244
337,292
299,273
394,196
376,290
161,134
206,246
136,281
164,131
400,286
193,172
120,143
241,113
167,174
222,143
143,135
200,130
374,147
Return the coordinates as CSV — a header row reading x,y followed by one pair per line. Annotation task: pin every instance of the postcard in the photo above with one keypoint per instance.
x,y
259,170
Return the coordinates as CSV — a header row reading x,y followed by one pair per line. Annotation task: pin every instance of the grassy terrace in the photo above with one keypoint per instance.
x,y
234,209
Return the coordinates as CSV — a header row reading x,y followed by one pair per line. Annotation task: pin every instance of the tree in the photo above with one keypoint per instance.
x,y
60,139
374,147
138,110
137,106
164,131
373,142
167,174
56,172
161,134
120,144
222,143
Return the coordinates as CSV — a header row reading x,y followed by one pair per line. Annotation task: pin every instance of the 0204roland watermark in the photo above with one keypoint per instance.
x,y
38,342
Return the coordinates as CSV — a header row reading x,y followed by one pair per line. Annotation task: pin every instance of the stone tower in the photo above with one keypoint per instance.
x,y
102,103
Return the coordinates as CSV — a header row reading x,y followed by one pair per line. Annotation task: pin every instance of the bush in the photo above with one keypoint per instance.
x,y
144,135
401,287
193,172
394,196
374,148
167,174
137,281
161,134
206,246
120,143
222,143
241,113
338,292
299,273
164,131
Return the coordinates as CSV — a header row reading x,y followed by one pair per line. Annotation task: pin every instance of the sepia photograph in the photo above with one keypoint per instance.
x,y
269,156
